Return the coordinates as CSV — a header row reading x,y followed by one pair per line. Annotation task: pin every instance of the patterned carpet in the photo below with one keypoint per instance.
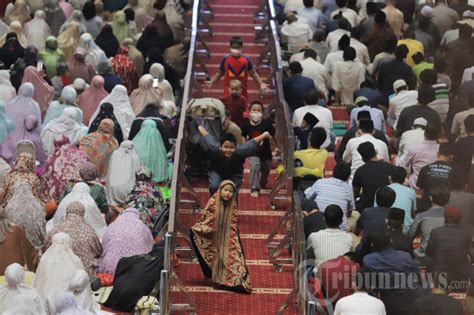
x,y
256,219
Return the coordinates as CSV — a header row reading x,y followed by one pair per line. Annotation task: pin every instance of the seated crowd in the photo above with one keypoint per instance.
x,y
88,94
385,88
88,101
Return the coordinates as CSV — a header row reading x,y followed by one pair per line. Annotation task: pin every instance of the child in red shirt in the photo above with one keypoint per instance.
x,y
235,102
236,67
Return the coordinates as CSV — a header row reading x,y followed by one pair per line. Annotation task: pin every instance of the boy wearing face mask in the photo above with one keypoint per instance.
x,y
236,67
227,158
235,102
260,163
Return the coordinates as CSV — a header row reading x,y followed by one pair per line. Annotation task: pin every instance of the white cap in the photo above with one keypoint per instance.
x,y
399,84
420,121
79,84
467,14
427,11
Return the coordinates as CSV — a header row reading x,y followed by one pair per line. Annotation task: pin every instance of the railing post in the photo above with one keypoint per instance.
x,y
164,292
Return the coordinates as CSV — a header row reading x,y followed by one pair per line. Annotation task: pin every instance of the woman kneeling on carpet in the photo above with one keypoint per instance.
x,y
216,241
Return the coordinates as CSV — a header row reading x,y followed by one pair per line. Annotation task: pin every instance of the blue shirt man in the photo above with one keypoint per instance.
x,y
309,12
376,115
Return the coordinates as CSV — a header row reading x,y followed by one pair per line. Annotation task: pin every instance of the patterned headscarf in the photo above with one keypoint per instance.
x,y
86,244
5,225
100,145
144,174
28,212
126,236
75,208
62,166
88,172
23,169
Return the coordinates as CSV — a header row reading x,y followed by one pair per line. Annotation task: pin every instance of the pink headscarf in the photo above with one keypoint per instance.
x,y
91,98
78,68
67,8
44,92
26,131
23,104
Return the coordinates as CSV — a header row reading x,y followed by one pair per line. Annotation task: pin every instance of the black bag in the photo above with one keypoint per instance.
x,y
135,277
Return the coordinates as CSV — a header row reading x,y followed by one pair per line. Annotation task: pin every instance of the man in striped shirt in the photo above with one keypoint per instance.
x,y
334,191
331,242
441,102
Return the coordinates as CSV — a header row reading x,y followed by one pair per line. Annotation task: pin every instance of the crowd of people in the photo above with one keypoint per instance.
x,y
88,103
88,95
399,201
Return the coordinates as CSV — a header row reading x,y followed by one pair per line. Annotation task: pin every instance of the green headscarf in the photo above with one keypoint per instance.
x,y
151,150
120,27
51,56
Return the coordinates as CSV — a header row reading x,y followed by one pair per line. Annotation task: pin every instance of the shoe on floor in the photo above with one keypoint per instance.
x,y
254,193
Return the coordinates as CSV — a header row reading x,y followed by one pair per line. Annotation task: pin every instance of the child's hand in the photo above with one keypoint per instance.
x,y
263,86
267,135
202,130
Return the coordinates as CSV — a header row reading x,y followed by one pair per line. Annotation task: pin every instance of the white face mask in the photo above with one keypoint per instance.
x,y
255,117
235,52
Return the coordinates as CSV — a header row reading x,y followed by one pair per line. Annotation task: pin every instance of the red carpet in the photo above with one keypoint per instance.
x,y
256,219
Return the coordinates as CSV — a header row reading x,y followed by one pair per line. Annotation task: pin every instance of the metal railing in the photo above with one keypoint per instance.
x,y
196,68
281,195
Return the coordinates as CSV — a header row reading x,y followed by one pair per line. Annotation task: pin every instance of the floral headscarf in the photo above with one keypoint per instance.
x,y
63,165
100,145
23,169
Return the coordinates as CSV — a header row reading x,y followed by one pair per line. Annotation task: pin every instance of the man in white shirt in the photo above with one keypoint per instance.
x,y
347,13
360,302
351,155
347,77
331,242
411,139
332,40
334,57
312,14
362,52
324,115
403,98
316,71
296,32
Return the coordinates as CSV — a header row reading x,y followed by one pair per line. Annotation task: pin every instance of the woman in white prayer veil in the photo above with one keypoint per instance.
x,y
79,287
57,266
123,111
94,54
93,217
7,91
37,30
66,125
66,304
123,165
15,289
3,28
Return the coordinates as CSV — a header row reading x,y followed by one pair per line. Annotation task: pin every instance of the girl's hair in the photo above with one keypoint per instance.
x,y
61,68
89,10
256,103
